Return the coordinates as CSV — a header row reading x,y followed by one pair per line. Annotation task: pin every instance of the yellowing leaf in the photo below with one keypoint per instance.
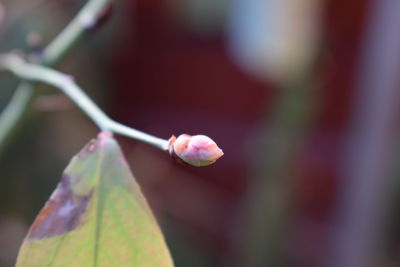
x,y
97,216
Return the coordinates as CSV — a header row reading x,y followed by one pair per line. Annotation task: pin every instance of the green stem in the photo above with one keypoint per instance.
x,y
19,104
15,111
67,85
74,31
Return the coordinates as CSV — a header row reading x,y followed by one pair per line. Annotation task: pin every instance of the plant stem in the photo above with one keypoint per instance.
x,y
18,106
15,111
75,30
67,85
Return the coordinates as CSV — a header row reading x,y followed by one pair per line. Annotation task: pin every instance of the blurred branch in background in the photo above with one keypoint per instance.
x,y
367,164
271,193
16,110
277,40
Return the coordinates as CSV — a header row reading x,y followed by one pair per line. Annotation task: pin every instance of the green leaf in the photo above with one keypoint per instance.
x,y
97,216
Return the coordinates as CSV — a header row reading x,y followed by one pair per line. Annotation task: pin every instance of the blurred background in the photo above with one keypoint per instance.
x,y
302,96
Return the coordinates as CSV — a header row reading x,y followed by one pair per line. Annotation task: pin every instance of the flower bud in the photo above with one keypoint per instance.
x,y
196,150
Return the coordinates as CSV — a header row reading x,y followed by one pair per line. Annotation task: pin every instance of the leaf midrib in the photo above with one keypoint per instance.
x,y
96,201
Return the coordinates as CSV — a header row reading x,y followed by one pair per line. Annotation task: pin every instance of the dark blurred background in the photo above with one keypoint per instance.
x,y
301,95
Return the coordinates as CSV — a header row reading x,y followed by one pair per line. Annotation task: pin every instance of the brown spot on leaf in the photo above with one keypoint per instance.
x,y
94,144
88,149
62,213
91,146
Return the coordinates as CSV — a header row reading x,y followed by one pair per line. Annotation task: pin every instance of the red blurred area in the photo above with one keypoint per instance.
x,y
172,81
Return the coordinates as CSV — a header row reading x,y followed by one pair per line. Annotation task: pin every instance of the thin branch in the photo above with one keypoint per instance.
x,y
85,20
18,106
15,111
67,85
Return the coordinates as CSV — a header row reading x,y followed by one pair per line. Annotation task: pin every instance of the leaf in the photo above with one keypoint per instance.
x,y
97,216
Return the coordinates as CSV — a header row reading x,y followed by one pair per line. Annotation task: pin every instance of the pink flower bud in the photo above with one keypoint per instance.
x,y
196,150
